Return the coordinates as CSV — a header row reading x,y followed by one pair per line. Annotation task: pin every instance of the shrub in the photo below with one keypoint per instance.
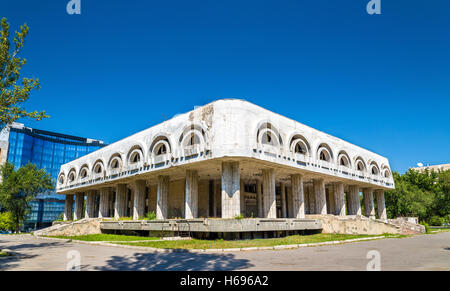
x,y
150,215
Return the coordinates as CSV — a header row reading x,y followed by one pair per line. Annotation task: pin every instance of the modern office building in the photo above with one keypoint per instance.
x,y
21,145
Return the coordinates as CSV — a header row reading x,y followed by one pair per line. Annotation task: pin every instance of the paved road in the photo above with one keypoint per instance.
x,y
422,252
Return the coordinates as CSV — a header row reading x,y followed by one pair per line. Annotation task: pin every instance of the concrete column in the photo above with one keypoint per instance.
x,y
89,212
290,202
298,196
242,198
120,205
369,206
68,209
162,198
79,201
139,199
217,198
306,198
191,192
283,200
231,190
259,202
381,207
332,206
320,196
269,195
311,199
103,209
339,198
354,202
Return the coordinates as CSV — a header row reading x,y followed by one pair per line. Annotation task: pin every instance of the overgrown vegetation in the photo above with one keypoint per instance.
x,y
425,195
150,215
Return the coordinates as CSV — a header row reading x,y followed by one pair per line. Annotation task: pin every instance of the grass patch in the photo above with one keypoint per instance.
x,y
2,254
225,244
106,237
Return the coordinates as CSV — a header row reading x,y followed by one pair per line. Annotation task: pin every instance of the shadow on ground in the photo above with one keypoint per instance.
x,y
175,262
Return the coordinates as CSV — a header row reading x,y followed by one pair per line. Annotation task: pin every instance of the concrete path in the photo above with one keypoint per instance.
x,y
422,252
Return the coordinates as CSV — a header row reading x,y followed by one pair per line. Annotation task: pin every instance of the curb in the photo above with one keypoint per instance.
x,y
279,247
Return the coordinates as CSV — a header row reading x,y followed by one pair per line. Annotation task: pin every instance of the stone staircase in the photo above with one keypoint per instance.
x,y
79,227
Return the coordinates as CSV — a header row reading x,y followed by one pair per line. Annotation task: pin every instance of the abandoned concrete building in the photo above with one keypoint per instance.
x,y
227,159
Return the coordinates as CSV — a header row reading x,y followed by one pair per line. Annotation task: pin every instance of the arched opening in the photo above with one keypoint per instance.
x,y
343,159
61,179
268,135
324,153
72,176
360,165
84,173
299,145
98,168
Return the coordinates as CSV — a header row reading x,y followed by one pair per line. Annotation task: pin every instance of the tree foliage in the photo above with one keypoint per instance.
x,y
13,91
7,221
422,194
21,186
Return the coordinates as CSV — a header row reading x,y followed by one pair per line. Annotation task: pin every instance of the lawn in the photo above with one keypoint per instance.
x,y
225,244
106,237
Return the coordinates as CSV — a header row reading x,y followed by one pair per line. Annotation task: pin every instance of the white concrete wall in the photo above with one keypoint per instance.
x,y
226,128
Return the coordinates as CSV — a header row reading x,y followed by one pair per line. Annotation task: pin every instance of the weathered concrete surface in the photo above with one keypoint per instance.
x,y
407,227
354,224
422,252
215,225
80,227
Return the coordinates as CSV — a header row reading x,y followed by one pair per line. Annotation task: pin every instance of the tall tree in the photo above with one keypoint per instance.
x,y
21,186
13,91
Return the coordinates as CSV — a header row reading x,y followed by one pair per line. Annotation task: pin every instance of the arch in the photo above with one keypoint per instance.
x,y
324,153
385,171
84,172
115,162
72,176
192,139
98,168
61,179
160,149
135,156
300,145
374,169
267,134
360,165
344,159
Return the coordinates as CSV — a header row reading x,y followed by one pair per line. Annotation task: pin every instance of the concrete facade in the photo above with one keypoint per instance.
x,y
226,159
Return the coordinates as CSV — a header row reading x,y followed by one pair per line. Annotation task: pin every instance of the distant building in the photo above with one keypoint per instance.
x,y
21,145
436,168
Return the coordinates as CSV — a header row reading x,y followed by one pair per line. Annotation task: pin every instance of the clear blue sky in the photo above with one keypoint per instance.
x,y
379,81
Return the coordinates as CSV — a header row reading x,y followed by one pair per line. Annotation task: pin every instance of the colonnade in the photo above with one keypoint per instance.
x,y
228,196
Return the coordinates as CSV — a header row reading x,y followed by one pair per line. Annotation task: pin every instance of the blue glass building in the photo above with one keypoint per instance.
x,y
21,145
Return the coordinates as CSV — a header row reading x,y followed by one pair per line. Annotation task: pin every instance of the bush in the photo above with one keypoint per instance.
x,y
7,221
150,215
436,221
427,227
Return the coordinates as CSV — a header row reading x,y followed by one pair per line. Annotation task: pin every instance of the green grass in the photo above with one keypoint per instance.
x,y
225,244
106,237
2,254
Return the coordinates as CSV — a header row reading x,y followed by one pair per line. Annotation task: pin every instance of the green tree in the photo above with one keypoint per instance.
x,y
422,194
13,91
7,221
21,186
